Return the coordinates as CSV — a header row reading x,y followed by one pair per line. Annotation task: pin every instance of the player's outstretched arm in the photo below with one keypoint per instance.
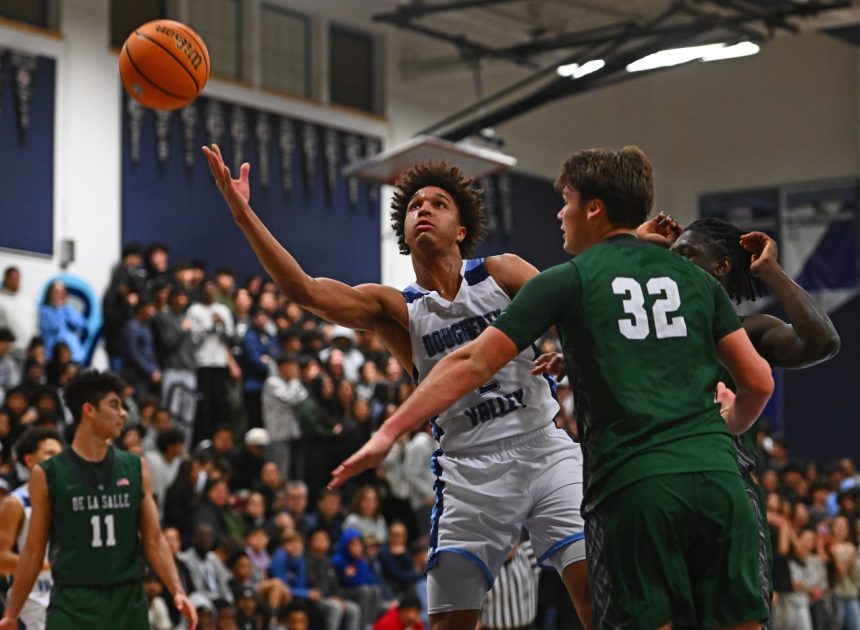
x,y
354,307
752,377
157,551
451,378
33,557
809,336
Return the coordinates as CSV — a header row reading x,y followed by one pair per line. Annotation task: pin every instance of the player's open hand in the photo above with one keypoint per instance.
x,y
236,192
186,609
368,456
763,248
660,230
550,363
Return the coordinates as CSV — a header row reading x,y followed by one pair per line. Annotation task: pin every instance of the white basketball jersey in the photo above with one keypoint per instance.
x,y
41,593
514,401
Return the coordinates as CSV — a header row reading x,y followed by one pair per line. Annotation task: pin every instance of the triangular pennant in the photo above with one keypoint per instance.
x,y
310,149
24,70
287,146
263,133
162,135
239,134
214,122
135,113
352,152
2,76
331,153
372,146
189,116
489,197
506,203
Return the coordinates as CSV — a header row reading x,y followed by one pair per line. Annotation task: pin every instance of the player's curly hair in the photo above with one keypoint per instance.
x,y
90,386
473,214
623,180
741,284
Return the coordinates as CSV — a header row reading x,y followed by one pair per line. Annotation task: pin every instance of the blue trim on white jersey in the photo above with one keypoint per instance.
x,y
22,493
434,560
475,271
561,544
411,294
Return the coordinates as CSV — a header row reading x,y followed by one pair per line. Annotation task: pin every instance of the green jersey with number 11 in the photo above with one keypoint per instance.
x,y
639,327
95,509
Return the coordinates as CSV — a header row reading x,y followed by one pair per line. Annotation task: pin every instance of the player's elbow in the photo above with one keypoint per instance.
x,y
829,346
761,382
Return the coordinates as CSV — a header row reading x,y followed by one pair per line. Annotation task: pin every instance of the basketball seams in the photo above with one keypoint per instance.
x,y
147,79
177,59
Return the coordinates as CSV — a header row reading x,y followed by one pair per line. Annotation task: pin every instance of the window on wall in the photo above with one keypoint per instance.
x,y
41,13
285,50
219,23
352,72
126,16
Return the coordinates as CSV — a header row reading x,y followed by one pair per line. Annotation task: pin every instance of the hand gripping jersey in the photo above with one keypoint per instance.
x,y
41,593
514,402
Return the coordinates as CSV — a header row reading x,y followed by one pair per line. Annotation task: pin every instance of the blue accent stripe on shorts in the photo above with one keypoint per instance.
x,y
488,575
561,544
439,505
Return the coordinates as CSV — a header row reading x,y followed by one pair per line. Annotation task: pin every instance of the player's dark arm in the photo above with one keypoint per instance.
x,y
809,336
354,307
33,556
449,380
157,552
11,517
752,377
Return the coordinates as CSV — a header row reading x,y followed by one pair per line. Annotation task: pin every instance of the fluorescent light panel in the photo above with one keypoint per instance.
x,y
576,71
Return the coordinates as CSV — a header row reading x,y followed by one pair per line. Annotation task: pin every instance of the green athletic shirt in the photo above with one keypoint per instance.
x,y
639,327
95,509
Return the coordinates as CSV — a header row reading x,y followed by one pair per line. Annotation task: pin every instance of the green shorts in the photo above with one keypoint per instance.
x,y
116,606
680,548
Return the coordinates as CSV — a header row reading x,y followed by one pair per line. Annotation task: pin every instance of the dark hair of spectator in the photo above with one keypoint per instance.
x,y
132,249
6,335
168,438
31,439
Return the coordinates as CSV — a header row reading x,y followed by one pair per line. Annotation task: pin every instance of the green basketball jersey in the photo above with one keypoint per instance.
x,y
639,327
94,518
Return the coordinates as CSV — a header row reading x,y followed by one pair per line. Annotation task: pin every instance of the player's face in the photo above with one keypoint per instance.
x,y
432,217
573,221
109,416
47,449
696,247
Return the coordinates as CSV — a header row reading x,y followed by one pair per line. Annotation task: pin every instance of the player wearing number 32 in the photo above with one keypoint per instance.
x,y
667,522
95,504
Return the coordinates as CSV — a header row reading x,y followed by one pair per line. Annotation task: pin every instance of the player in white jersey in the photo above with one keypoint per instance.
x,y
502,464
34,446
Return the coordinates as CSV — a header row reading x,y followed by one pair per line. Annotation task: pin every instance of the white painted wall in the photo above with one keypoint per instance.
x,y
788,114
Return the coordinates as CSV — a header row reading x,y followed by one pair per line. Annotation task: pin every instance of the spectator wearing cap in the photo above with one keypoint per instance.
x,y
343,340
249,460
139,365
17,312
10,373
282,393
175,344
249,612
259,352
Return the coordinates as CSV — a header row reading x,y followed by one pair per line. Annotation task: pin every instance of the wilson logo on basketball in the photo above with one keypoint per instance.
x,y
183,44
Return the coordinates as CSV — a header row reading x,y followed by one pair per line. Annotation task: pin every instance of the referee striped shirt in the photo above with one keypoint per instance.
x,y
512,602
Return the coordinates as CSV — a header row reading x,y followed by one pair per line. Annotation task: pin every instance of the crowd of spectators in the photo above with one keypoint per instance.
x,y
242,404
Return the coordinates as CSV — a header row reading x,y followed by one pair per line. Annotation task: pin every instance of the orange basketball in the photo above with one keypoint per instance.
x,y
164,64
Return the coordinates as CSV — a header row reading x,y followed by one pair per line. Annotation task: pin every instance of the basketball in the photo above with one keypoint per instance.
x,y
164,64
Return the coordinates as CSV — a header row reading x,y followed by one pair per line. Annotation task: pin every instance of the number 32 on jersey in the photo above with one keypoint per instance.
x,y
666,324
